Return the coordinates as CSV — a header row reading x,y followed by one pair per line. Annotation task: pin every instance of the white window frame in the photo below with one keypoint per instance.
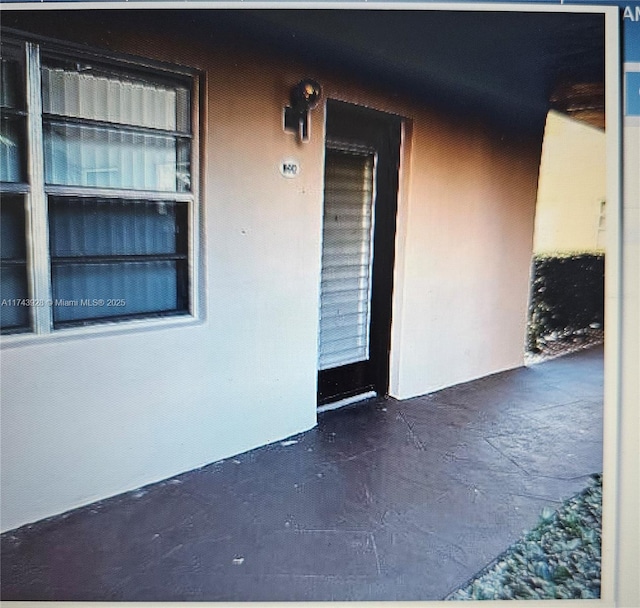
x,y
36,194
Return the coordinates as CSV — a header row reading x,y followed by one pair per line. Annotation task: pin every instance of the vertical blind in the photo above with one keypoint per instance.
x,y
345,290
14,315
10,139
120,256
85,93
13,268
108,158
12,121
113,189
114,156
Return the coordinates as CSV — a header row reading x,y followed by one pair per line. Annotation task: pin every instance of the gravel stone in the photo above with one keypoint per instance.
x,y
558,559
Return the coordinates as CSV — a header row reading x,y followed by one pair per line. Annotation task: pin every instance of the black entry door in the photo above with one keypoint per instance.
x,y
360,204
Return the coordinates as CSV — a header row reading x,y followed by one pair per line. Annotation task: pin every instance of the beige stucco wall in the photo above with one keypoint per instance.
x,y
572,188
467,254
85,417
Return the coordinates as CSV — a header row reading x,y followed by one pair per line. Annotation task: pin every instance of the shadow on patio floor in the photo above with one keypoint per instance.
x,y
386,500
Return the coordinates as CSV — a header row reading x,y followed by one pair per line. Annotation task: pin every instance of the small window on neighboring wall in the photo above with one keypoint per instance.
x,y
97,226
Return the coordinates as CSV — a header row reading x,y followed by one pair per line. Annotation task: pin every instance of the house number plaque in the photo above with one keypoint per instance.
x,y
290,168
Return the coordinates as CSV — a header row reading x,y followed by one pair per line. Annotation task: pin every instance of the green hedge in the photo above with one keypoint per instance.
x,y
567,296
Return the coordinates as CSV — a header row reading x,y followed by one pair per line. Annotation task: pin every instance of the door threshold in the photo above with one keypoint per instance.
x,y
348,401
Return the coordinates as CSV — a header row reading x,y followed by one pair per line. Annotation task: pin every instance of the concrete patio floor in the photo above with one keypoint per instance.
x,y
385,500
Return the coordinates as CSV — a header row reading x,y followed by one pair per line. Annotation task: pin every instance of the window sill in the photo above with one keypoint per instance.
x,y
99,330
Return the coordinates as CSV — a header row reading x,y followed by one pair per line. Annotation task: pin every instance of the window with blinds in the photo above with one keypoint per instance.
x,y
14,190
106,199
111,131
13,270
345,290
13,108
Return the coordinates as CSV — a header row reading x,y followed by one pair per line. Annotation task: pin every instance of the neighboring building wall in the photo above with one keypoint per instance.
x,y
88,416
572,188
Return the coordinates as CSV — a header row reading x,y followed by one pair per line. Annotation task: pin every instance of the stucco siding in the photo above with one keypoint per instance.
x,y
85,417
467,255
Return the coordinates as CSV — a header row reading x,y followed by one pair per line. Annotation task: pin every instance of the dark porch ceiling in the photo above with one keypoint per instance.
x,y
507,64
511,67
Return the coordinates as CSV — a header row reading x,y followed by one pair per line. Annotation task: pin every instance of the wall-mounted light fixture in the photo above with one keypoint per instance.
x,y
304,97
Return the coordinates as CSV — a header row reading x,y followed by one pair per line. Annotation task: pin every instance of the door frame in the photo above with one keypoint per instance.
x,y
356,126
